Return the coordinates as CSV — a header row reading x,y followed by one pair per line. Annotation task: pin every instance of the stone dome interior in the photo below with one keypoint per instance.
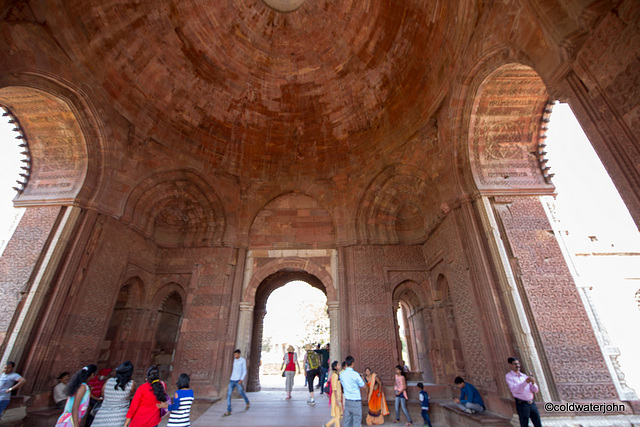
x,y
257,91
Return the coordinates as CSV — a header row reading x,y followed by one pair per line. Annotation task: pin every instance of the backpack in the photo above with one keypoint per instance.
x,y
313,359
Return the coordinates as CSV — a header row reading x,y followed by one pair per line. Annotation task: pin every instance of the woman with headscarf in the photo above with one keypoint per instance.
x,y
77,392
377,402
291,367
116,395
144,411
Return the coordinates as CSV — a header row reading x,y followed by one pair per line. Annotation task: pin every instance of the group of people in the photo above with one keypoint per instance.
x,y
343,388
345,384
107,402
345,396
109,398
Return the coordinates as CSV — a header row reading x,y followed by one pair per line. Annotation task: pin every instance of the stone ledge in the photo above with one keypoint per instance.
x,y
460,418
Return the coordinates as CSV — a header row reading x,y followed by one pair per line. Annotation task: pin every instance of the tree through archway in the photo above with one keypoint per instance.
x,y
296,315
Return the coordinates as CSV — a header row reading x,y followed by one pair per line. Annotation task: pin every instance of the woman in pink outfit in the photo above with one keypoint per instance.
x,y
401,395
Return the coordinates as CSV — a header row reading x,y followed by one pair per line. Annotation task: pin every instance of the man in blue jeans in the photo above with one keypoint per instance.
x,y
238,375
470,400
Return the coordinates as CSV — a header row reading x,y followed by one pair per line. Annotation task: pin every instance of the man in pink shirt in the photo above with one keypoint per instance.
x,y
523,387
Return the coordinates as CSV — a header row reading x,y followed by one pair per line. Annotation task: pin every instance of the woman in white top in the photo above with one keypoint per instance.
x,y
116,395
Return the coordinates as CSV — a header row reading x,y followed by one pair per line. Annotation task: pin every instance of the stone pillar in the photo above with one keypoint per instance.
x,y
245,323
39,282
20,258
334,332
609,351
253,380
564,336
515,306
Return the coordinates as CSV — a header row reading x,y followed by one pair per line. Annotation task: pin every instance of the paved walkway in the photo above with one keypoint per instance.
x,y
270,408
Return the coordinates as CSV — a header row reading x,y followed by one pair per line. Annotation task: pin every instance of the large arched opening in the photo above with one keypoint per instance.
x,y
297,316
266,287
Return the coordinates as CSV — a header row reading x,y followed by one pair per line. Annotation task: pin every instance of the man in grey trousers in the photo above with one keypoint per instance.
x,y
351,383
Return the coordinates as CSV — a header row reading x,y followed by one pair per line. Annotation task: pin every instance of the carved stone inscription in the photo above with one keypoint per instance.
x,y
56,142
505,128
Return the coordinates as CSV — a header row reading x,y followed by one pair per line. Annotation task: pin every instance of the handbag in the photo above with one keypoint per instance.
x,y
283,375
95,408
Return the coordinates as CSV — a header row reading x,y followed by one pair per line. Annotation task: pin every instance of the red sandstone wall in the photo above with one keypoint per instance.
x,y
20,257
444,252
368,310
292,221
569,343
208,330
88,308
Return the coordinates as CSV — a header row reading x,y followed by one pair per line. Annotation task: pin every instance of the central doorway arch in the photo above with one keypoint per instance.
x,y
269,277
265,289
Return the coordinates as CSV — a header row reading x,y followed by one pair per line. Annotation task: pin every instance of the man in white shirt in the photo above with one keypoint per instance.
x,y
351,383
238,375
59,395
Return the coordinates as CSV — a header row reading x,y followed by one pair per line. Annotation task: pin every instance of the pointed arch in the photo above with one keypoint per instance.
x,y
505,116
65,139
400,205
176,208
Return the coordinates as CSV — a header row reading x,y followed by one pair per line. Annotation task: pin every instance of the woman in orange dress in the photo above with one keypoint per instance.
x,y
377,403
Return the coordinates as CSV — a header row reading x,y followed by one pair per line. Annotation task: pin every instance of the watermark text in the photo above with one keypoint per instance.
x,y
602,408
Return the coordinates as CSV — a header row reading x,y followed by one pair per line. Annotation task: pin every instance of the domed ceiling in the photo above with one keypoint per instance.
x,y
256,90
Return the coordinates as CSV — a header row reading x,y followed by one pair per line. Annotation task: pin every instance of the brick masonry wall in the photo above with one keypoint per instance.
x,y
205,335
90,304
292,221
20,257
201,277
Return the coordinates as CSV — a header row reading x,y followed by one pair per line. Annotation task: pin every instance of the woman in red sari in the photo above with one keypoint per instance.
x,y
377,403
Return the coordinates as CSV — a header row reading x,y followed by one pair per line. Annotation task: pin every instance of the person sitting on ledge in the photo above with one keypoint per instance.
x,y
470,400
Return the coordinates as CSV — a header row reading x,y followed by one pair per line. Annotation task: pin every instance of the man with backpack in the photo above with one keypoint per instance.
x,y
312,363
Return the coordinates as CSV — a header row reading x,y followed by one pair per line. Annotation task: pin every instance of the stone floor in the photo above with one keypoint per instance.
x,y
270,408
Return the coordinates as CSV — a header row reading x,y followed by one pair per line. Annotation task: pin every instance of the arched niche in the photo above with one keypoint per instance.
x,y
168,322
64,140
121,336
400,206
409,302
507,120
176,209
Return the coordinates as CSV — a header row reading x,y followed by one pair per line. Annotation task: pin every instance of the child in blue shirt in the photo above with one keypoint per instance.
x,y
424,405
